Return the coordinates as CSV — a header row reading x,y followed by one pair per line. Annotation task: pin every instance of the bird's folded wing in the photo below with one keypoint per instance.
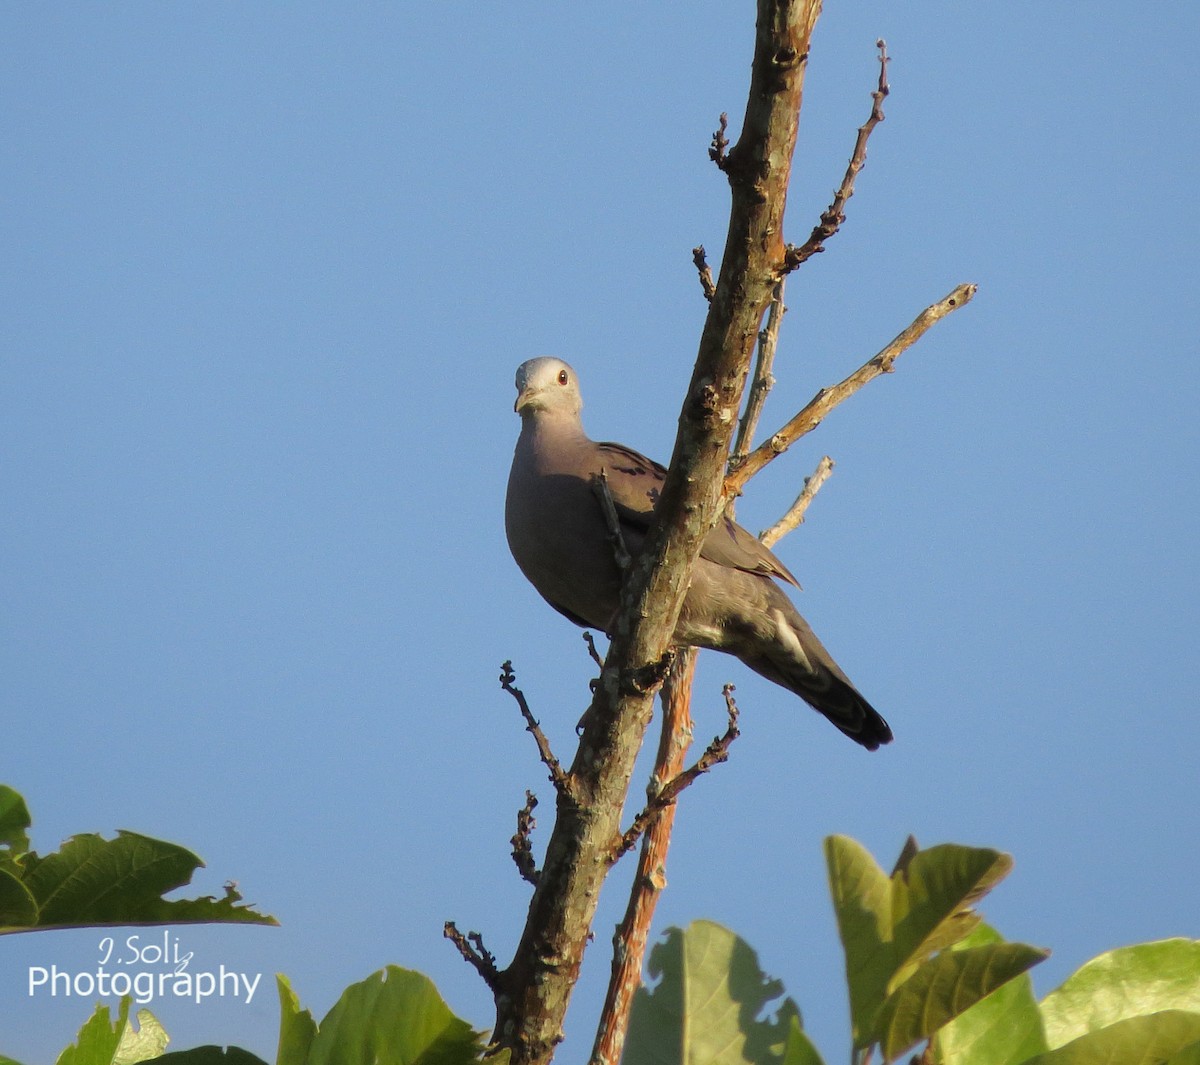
x,y
635,482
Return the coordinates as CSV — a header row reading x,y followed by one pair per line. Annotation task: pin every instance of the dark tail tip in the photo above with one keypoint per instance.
x,y
828,692
844,706
873,731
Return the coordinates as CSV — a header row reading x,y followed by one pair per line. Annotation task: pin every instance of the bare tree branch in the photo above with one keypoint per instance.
x,y
522,845
764,379
557,776
473,951
824,401
716,150
632,934
707,285
794,515
714,754
835,213
591,646
537,984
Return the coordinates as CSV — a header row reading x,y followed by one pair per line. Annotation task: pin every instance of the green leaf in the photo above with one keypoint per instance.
x,y
18,908
297,1029
944,987
1123,983
394,1017
14,820
799,1049
147,1041
98,1038
211,1055
932,895
8,1061
889,926
706,1006
97,880
94,881
1151,1039
208,909
1189,1055
862,895
1005,1028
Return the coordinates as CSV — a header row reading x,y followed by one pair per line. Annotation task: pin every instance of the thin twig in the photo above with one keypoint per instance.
x,y
824,401
835,213
794,515
707,285
632,934
601,489
764,379
716,753
716,150
522,847
560,779
474,953
590,640
594,683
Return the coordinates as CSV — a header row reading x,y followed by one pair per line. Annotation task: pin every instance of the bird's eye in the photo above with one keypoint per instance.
x,y
562,377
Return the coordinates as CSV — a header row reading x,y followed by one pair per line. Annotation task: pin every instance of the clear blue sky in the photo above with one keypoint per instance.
x,y
267,272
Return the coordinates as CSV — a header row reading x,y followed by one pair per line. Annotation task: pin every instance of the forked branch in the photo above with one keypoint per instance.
x,y
471,947
824,401
714,754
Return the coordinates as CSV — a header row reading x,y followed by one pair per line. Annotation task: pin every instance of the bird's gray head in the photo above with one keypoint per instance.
x,y
547,384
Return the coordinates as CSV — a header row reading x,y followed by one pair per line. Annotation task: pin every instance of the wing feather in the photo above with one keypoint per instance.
x,y
635,483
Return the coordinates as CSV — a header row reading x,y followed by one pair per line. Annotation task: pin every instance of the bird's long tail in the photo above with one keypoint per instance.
x,y
798,661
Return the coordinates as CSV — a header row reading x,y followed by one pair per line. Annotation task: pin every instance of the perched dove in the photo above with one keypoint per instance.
x,y
560,539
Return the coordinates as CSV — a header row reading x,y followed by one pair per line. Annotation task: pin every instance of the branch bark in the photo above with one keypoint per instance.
x,y
535,988
629,942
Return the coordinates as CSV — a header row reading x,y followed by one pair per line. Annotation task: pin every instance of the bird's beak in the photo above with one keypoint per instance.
x,y
523,398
